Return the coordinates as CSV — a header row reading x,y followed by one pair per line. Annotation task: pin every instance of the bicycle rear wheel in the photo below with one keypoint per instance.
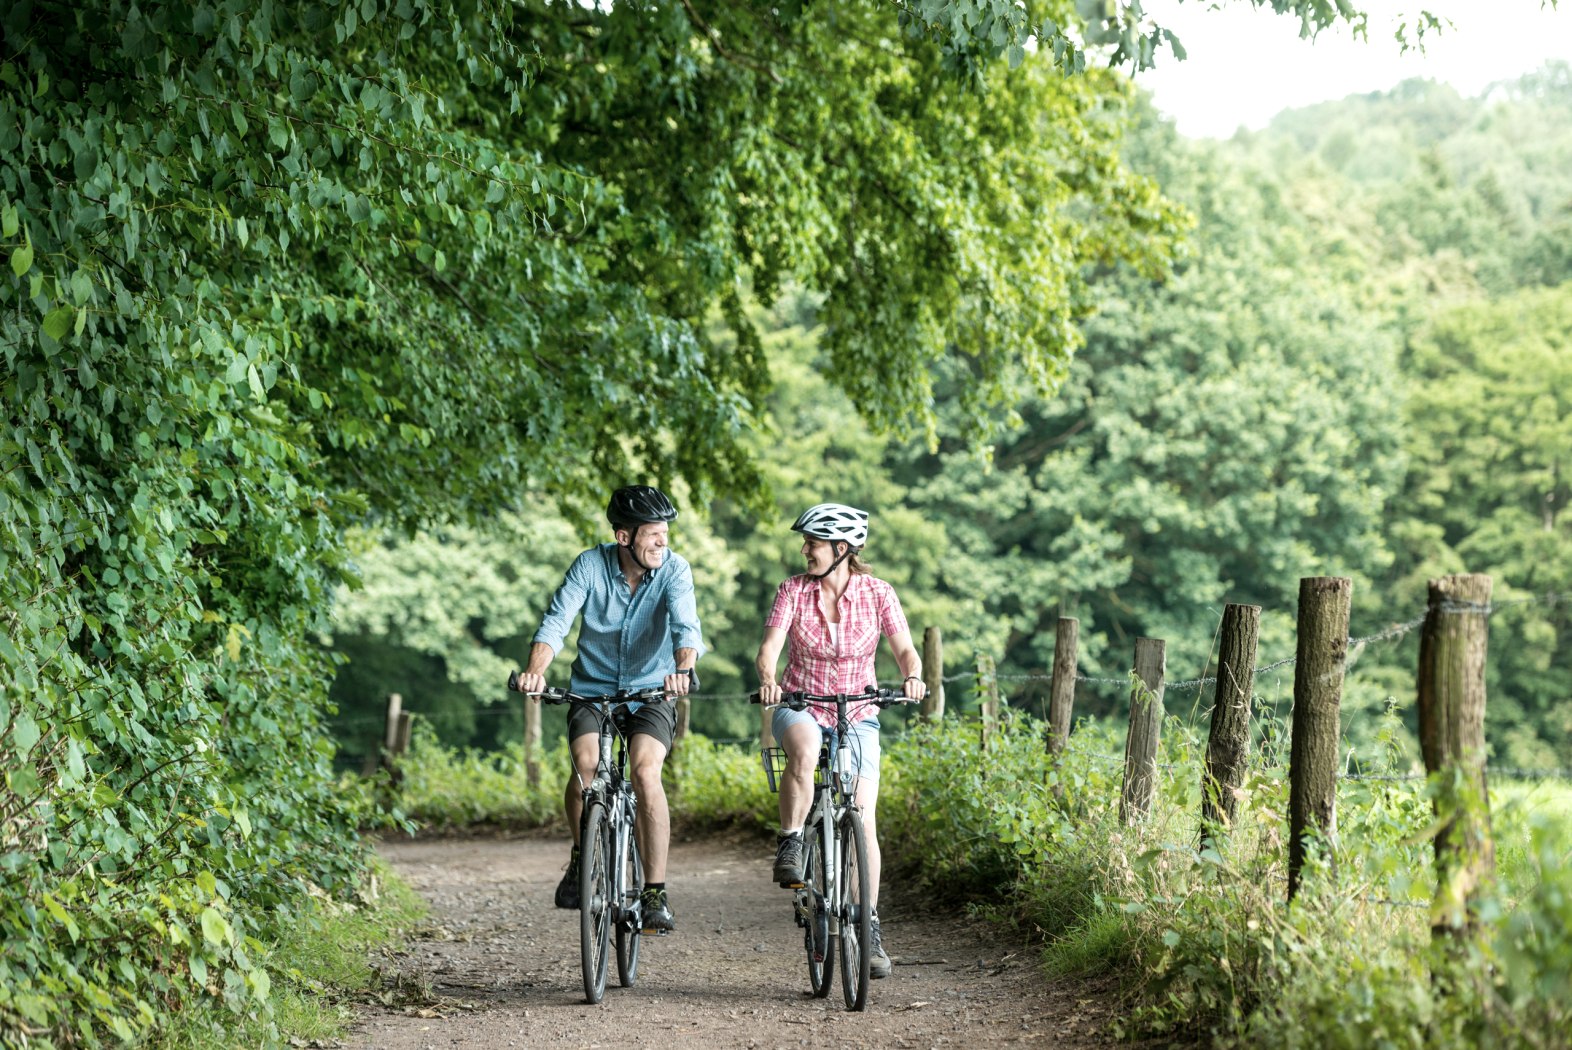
x,y
629,921
815,912
596,901
856,947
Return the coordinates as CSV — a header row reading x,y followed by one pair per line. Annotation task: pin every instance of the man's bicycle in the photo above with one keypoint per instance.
x,y
611,873
830,904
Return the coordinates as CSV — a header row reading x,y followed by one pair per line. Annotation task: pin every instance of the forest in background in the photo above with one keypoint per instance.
x,y
1360,366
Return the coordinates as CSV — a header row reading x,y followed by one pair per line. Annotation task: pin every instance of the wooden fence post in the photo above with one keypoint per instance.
x,y
390,725
1452,647
932,707
532,740
1061,697
1146,722
987,697
684,706
1322,657
1228,742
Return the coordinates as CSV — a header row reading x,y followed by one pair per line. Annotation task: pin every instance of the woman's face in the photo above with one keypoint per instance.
x,y
819,554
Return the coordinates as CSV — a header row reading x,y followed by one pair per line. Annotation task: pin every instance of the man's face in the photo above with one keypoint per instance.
x,y
647,543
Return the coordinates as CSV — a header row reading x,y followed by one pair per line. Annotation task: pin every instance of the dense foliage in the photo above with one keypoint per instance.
x,y
277,270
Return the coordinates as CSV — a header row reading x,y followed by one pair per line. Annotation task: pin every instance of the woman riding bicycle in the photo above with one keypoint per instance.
x,y
829,620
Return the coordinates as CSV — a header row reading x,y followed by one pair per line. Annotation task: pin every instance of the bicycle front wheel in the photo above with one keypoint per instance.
x,y
596,900
816,912
629,922
856,940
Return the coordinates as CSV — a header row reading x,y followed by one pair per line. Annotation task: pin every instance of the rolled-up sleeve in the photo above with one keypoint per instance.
x,y
566,602
683,611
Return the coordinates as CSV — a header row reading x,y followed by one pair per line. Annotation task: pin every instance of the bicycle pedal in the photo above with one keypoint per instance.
x,y
799,884
652,931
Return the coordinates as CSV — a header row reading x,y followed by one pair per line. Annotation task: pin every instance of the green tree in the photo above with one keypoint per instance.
x,y
1490,450
1219,437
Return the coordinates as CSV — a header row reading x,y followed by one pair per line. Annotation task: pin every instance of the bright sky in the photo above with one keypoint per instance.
x,y
1244,66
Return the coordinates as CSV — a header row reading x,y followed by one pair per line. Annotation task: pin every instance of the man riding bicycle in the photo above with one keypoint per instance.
x,y
829,619
640,630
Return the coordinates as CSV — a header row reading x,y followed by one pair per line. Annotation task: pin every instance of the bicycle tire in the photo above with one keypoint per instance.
x,y
816,930
595,899
856,933
629,921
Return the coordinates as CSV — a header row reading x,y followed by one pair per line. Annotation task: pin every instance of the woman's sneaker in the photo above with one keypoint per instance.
x,y
788,859
880,965
568,888
657,912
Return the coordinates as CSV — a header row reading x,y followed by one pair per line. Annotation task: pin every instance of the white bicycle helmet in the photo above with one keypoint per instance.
x,y
834,522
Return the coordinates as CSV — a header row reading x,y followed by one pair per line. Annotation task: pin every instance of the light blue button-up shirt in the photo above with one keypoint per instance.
x,y
628,638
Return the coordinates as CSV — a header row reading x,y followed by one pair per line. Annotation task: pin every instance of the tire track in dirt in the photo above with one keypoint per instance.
x,y
498,966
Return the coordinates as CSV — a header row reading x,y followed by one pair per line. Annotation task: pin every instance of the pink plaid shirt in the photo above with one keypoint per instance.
x,y
813,665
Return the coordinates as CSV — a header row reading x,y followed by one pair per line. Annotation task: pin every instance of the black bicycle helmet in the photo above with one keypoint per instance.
x,y
639,505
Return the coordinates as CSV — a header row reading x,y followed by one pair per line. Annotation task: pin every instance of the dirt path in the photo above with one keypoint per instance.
x,y
498,966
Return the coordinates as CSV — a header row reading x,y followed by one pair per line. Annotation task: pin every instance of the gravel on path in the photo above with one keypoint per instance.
x,y
497,965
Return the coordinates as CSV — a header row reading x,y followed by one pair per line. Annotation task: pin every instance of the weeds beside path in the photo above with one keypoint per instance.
x,y
498,966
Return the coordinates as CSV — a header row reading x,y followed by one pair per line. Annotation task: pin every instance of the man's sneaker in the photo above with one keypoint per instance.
x,y
568,888
788,859
657,912
879,965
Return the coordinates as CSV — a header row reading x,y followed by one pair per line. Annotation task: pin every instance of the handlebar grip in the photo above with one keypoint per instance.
x,y
513,681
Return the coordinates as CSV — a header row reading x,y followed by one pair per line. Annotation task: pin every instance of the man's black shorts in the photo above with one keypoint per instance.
x,y
656,720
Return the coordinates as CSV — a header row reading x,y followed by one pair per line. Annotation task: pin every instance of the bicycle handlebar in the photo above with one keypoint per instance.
x,y
558,695
797,700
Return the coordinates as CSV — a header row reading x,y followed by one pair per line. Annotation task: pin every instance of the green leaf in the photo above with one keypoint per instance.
x,y
55,908
22,258
215,930
24,734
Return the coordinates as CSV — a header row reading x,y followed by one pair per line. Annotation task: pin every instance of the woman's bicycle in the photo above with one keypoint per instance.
x,y
830,904
611,873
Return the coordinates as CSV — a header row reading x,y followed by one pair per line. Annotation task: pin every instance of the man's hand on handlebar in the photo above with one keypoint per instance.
x,y
526,682
769,693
